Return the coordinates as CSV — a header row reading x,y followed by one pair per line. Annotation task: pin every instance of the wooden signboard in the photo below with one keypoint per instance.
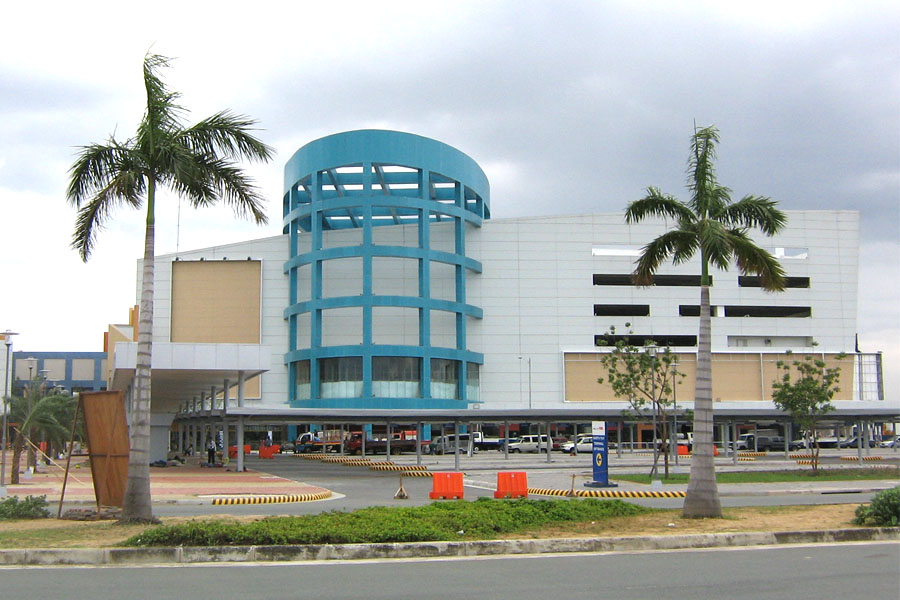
x,y
107,437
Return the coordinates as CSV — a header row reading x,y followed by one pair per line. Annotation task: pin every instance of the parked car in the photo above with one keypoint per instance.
x,y
890,442
528,443
557,442
852,443
583,443
446,444
765,443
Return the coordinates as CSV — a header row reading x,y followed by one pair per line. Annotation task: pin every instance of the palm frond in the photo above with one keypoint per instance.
x,y
657,204
716,244
204,179
756,212
751,259
228,134
701,165
96,166
678,244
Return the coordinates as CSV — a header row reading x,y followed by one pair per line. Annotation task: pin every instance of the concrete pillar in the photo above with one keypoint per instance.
x,y
456,445
240,444
225,441
734,437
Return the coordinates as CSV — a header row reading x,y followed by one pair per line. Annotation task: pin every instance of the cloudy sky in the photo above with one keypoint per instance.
x,y
569,107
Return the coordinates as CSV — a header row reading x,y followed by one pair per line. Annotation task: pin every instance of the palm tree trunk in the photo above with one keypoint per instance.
x,y
702,498
137,502
18,445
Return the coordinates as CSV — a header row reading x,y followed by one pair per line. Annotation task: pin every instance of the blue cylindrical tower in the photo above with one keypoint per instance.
x,y
377,317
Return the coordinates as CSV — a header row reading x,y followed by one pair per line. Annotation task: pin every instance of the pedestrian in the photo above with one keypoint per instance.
x,y
211,452
190,450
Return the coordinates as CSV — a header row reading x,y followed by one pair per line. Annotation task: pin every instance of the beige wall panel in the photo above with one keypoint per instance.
x,y
736,377
55,369
83,368
216,301
251,390
582,372
831,361
846,381
684,391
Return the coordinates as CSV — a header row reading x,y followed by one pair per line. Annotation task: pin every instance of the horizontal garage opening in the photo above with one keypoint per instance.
x,y
621,310
786,312
660,280
641,340
752,281
693,310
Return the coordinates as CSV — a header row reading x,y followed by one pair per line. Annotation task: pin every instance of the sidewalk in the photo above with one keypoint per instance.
x,y
188,483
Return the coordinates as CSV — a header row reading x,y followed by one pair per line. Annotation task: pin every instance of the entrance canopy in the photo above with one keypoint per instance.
x,y
182,372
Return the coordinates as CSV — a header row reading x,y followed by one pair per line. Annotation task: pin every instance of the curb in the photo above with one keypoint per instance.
x,y
238,554
279,499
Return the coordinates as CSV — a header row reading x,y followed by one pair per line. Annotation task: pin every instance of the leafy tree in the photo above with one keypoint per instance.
x,y
197,163
711,223
805,390
646,377
47,416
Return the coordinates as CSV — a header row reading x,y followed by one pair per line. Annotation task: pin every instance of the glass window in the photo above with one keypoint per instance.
x,y
444,378
301,380
340,377
473,382
396,376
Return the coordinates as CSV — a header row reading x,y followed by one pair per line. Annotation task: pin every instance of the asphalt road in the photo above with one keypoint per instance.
x,y
863,570
356,487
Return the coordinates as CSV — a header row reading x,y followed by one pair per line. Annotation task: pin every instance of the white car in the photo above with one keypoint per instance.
x,y
889,442
584,443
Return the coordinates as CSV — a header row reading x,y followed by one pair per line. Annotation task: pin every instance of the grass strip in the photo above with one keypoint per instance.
x,y
484,519
776,476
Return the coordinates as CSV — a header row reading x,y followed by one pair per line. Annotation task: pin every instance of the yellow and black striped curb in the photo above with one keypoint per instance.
x,y
751,454
805,462
340,459
746,458
283,498
605,493
312,456
806,456
357,462
865,458
392,467
417,474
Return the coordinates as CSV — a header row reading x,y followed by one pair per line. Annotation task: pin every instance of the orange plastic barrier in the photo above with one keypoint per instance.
x,y
683,450
715,450
232,451
447,485
512,484
267,451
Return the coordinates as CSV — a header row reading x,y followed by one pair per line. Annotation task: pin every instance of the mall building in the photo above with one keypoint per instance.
x,y
392,291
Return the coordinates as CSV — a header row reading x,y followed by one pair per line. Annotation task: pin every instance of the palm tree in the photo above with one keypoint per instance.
x,y
711,223
50,416
199,164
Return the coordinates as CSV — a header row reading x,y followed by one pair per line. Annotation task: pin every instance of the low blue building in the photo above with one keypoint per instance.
x,y
72,371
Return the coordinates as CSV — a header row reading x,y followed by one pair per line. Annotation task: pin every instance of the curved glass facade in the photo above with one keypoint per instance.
x,y
369,213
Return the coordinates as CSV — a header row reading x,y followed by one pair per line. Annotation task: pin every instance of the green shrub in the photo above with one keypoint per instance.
x,y
32,507
883,511
484,518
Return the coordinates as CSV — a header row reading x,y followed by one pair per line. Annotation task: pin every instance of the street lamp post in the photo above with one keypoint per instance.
x,y
8,338
652,352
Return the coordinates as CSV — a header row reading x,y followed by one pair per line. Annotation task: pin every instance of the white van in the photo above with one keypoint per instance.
x,y
528,443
